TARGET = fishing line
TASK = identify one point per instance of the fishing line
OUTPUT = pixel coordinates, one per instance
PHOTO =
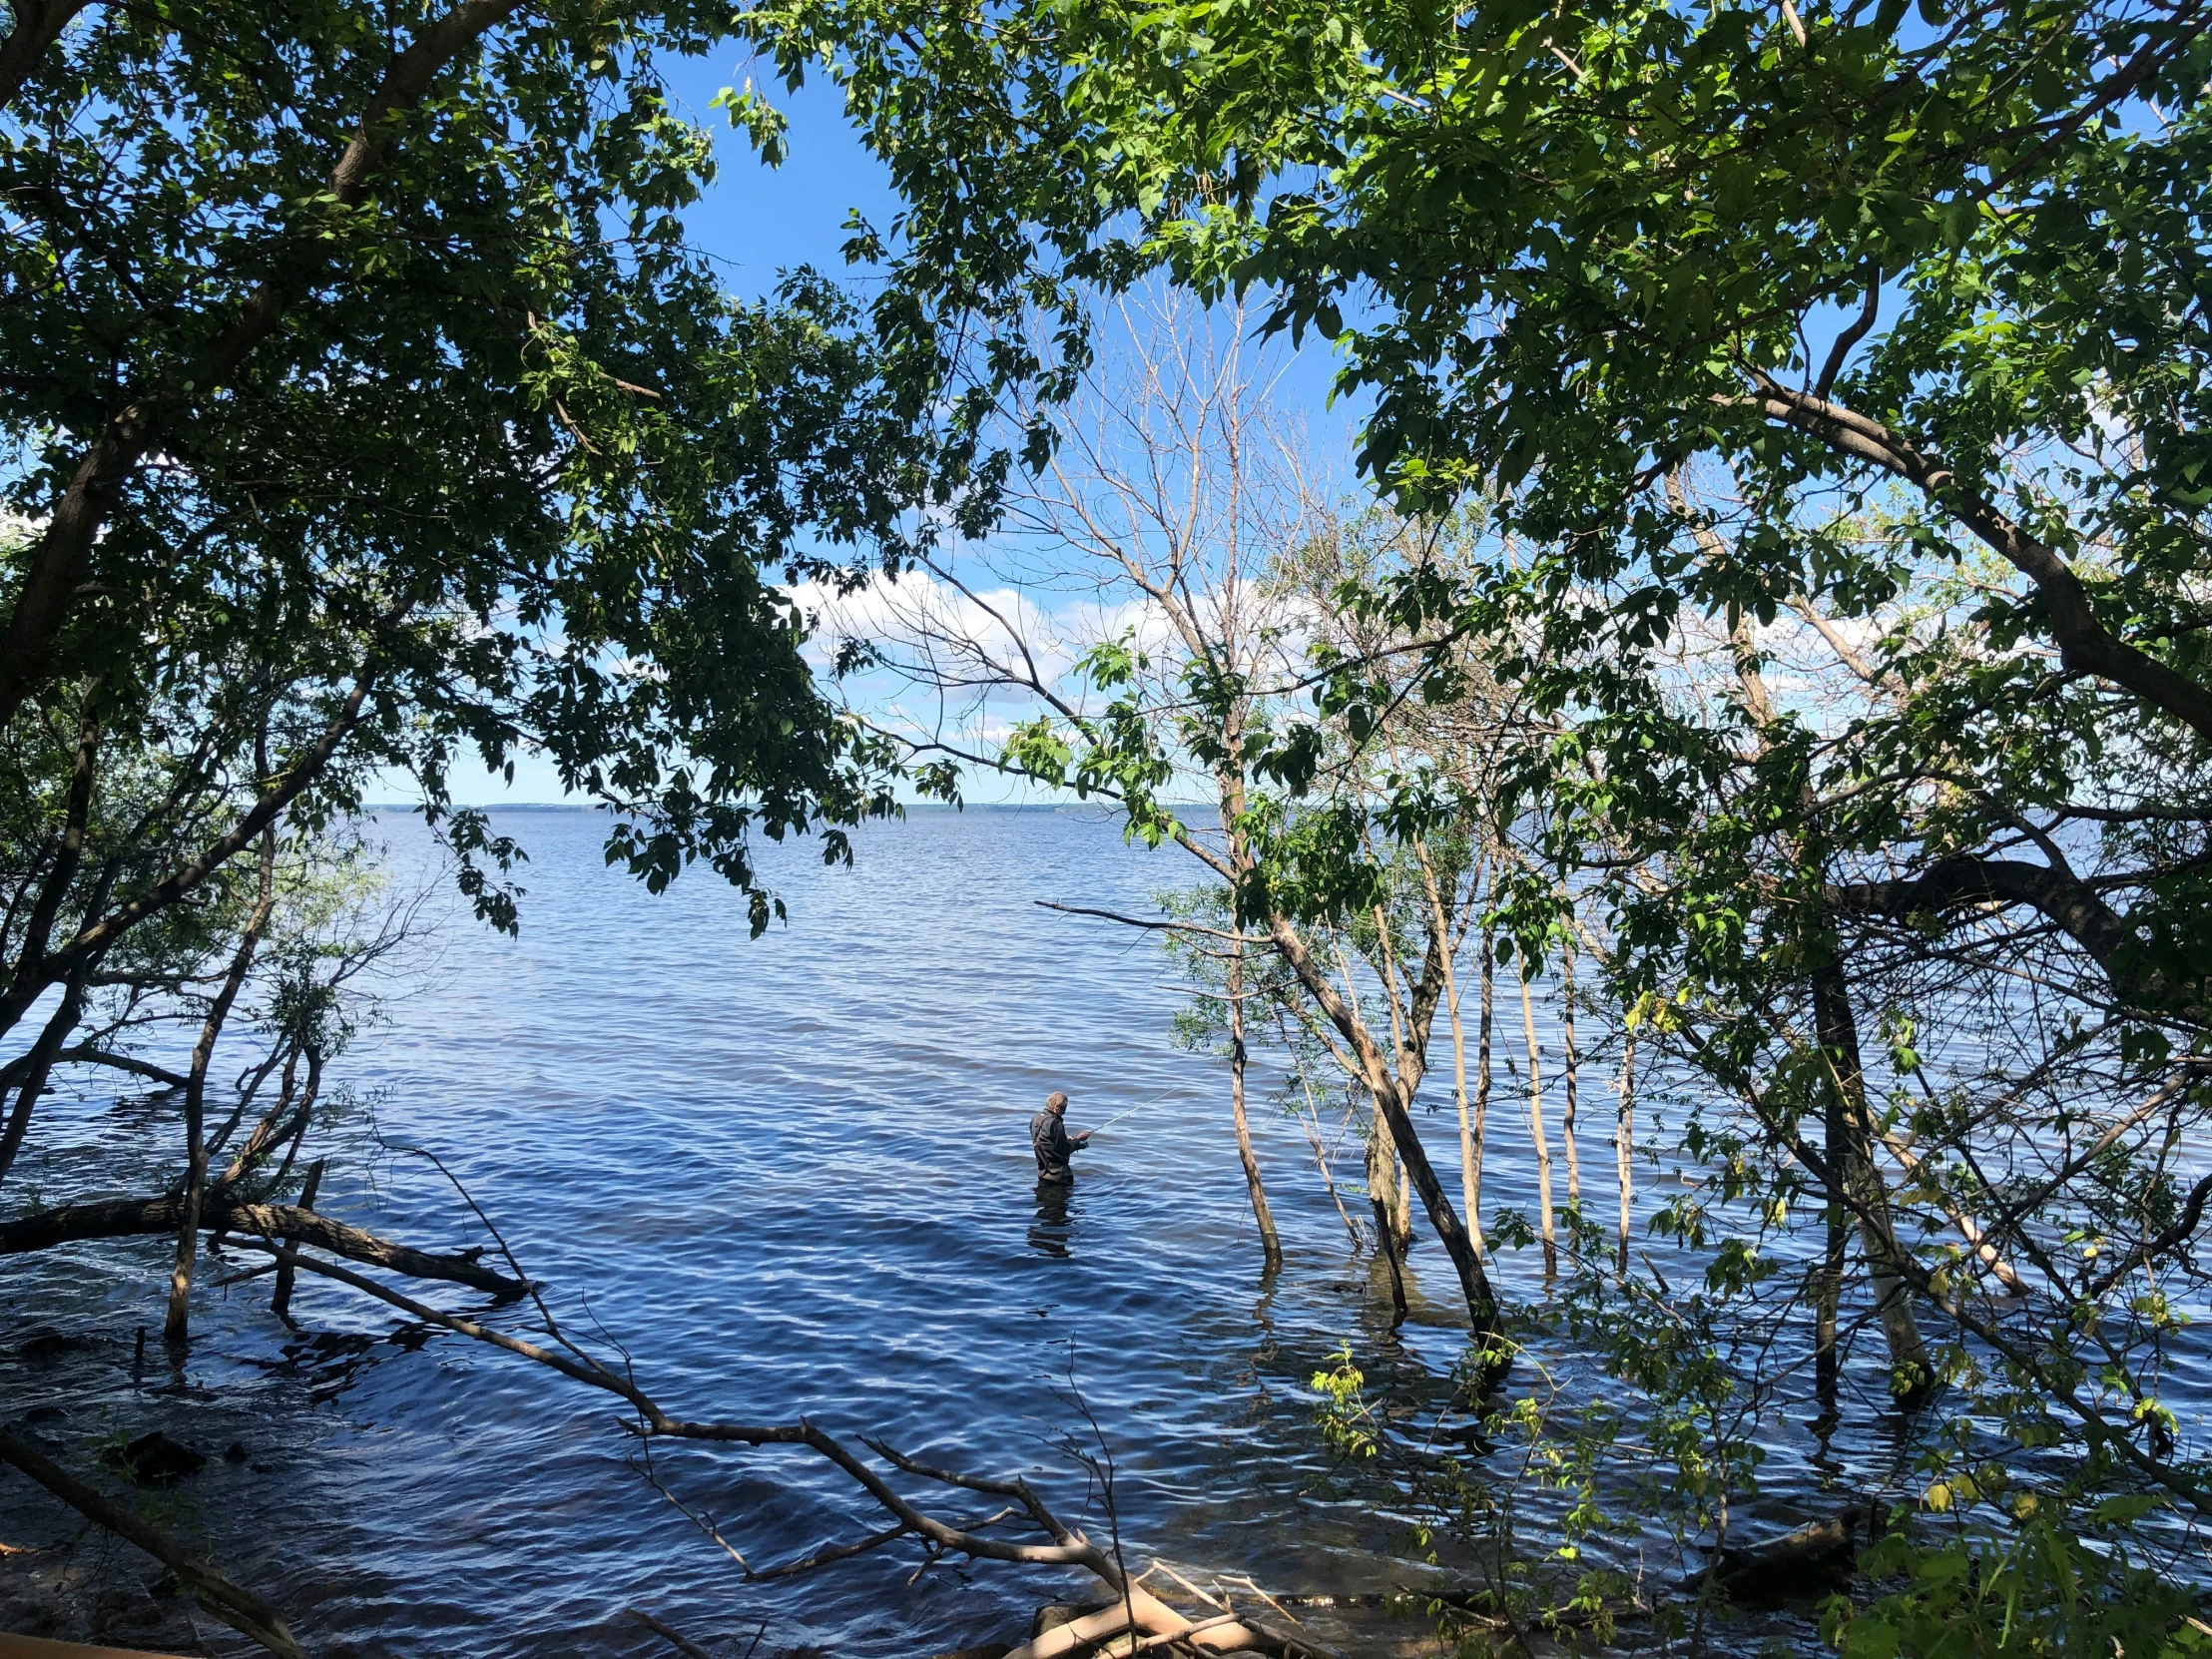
(1138, 1107)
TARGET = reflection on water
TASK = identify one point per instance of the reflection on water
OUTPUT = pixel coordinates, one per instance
(1053, 1228)
(790, 1176)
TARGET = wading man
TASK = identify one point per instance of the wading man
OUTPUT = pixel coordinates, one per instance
(1048, 1135)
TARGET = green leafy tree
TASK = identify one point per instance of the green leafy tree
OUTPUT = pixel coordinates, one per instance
(1837, 372)
(358, 368)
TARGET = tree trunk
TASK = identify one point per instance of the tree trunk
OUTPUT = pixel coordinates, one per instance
(1383, 1197)
(1849, 1144)
(177, 1325)
(1470, 1176)
(38, 932)
(1404, 1207)
(1829, 1282)
(1405, 1077)
(1270, 1245)
(1625, 1140)
(38, 1066)
(1570, 1073)
(1536, 1130)
(1474, 1284)
(1485, 1020)
(141, 1217)
(280, 1303)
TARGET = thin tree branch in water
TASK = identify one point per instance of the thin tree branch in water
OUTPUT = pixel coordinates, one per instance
(1151, 926)
(86, 1055)
(675, 1638)
(1068, 1547)
(835, 1552)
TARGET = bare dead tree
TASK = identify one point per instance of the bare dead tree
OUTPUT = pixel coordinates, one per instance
(1176, 507)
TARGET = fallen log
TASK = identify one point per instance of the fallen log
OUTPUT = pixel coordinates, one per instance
(128, 1218)
(1815, 1559)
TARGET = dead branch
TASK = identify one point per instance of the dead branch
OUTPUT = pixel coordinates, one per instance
(675, 1638)
(86, 1054)
(241, 1609)
(833, 1552)
(126, 1218)
(1068, 1546)
(1150, 926)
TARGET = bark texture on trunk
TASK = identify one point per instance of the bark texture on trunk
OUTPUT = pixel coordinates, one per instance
(1548, 1229)
(1849, 1150)
(178, 1323)
(1270, 1245)
(1382, 1195)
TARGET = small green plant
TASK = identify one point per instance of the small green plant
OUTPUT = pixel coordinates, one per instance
(2044, 1586)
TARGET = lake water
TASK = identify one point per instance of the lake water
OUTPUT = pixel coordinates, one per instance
(790, 1176)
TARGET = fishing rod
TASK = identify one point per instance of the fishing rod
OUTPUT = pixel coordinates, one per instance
(1138, 1107)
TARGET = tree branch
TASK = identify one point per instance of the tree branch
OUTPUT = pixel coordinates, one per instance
(2085, 645)
(2057, 894)
(130, 1218)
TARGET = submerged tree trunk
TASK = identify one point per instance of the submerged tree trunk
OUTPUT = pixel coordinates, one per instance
(1863, 1193)
(177, 1326)
(1470, 1158)
(1402, 1215)
(279, 1303)
(1828, 1286)
(1484, 1022)
(1570, 1073)
(1270, 1245)
(1383, 1180)
(1444, 950)
(1474, 1284)
(1381, 1149)
(1548, 1229)
(1625, 1140)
